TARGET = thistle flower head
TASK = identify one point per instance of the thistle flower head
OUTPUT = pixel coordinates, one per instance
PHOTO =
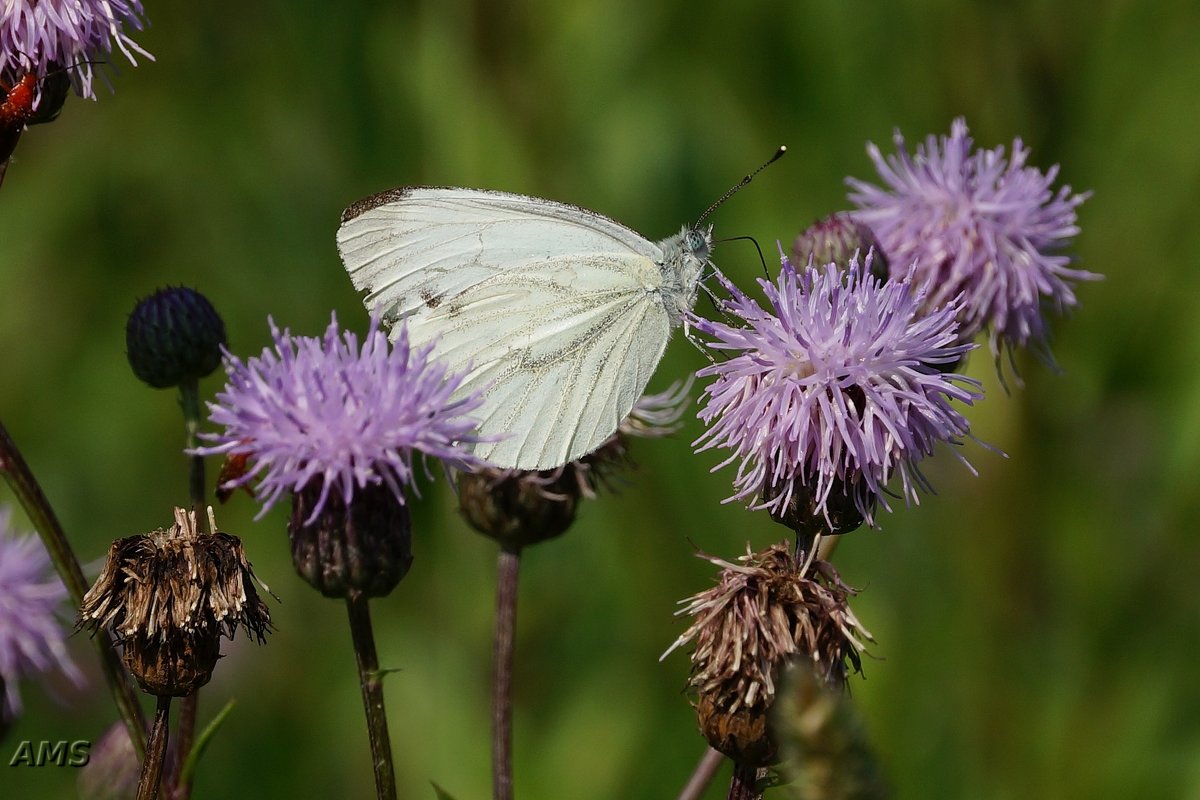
(339, 415)
(764, 612)
(832, 390)
(32, 639)
(41, 36)
(980, 225)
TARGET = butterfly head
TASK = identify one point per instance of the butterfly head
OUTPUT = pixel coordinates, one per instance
(698, 242)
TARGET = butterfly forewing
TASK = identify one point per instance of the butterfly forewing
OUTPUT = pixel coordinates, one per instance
(557, 311)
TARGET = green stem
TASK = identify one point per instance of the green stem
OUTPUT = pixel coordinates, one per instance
(37, 507)
(372, 693)
(508, 568)
(189, 403)
(156, 749)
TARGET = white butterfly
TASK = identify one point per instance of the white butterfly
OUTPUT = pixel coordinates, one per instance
(561, 314)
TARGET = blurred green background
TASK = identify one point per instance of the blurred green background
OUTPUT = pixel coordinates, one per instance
(1037, 625)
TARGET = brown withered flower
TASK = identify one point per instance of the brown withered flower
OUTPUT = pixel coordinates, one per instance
(169, 596)
(765, 612)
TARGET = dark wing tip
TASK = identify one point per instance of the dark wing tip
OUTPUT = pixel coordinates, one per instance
(374, 201)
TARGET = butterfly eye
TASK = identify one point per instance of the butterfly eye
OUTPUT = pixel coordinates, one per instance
(695, 241)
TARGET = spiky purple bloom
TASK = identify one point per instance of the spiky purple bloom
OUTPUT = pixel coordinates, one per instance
(32, 638)
(980, 225)
(40, 36)
(326, 409)
(834, 385)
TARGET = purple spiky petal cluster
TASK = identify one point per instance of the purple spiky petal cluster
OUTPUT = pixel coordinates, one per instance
(40, 36)
(330, 410)
(32, 638)
(977, 224)
(833, 388)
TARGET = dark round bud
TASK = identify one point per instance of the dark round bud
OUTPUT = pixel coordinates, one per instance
(836, 239)
(743, 734)
(173, 336)
(365, 547)
(518, 508)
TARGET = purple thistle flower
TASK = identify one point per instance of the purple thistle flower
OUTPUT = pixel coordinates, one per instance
(39, 36)
(326, 409)
(836, 385)
(32, 639)
(979, 225)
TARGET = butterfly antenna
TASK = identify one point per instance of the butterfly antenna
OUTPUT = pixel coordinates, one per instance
(778, 155)
(751, 239)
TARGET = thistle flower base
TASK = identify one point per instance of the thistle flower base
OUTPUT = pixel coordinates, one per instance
(365, 547)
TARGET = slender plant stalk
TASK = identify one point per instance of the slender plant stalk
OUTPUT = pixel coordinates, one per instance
(702, 775)
(184, 736)
(156, 750)
(372, 692)
(37, 507)
(189, 402)
(744, 784)
(508, 569)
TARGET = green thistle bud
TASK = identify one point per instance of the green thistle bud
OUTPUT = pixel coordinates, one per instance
(836, 239)
(172, 336)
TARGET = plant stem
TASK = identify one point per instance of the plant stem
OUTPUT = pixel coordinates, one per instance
(508, 567)
(189, 403)
(744, 784)
(37, 507)
(702, 775)
(184, 736)
(156, 749)
(372, 692)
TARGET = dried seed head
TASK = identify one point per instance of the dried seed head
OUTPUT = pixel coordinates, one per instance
(763, 614)
(169, 596)
(364, 546)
